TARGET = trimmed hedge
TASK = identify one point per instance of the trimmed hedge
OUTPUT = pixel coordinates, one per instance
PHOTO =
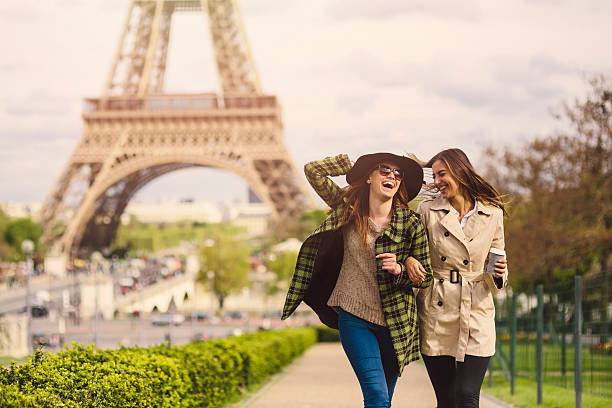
(203, 374)
(326, 334)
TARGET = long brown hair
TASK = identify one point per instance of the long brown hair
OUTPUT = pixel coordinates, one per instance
(356, 201)
(476, 187)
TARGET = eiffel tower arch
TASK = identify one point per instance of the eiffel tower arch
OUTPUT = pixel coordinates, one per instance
(134, 132)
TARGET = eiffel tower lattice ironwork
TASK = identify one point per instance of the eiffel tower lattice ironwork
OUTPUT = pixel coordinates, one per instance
(135, 132)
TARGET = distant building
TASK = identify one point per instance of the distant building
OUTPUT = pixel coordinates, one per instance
(288, 245)
(20, 210)
(252, 217)
(165, 212)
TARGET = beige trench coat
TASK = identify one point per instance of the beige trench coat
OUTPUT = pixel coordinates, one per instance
(456, 319)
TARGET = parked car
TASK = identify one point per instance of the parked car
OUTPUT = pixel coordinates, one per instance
(198, 316)
(202, 316)
(273, 315)
(237, 315)
(165, 319)
(47, 340)
(200, 337)
(37, 311)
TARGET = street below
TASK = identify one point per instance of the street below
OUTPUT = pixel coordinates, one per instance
(116, 333)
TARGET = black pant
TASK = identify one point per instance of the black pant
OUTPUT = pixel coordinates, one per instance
(457, 384)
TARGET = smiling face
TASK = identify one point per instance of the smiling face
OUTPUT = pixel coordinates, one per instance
(385, 185)
(444, 180)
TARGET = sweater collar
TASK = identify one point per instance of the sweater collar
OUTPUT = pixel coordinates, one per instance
(395, 229)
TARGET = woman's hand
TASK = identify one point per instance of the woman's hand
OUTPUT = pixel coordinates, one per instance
(389, 263)
(416, 159)
(500, 268)
(415, 270)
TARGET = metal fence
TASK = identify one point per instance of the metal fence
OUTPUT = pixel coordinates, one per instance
(558, 334)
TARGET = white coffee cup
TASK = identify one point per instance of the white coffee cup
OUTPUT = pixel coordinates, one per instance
(495, 255)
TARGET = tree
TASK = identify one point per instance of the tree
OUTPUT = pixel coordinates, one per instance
(7, 252)
(560, 214)
(590, 155)
(18, 230)
(290, 227)
(4, 220)
(282, 264)
(310, 220)
(228, 258)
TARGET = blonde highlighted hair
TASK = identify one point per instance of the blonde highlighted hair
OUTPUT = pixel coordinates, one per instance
(474, 185)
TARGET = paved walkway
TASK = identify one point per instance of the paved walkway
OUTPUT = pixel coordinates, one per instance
(323, 378)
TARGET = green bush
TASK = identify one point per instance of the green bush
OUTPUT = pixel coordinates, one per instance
(203, 374)
(327, 334)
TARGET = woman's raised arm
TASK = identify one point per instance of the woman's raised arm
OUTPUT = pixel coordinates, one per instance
(318, 174)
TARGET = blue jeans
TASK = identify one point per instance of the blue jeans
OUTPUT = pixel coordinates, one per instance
(369, 349)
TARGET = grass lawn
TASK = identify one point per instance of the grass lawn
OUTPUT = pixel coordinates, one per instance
(6, 361)
(596, 368)
(552, 357)
(526, 394)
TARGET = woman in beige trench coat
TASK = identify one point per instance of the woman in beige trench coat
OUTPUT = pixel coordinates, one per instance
(456, 313)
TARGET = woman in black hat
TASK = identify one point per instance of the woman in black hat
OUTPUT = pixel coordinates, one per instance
(351, 271)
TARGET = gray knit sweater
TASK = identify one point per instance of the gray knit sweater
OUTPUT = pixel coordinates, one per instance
(357, 290)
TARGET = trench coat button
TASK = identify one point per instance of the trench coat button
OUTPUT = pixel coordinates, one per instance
(441, 280)
(443, 258)
(465, 262)
(439, 303)
(446, 234)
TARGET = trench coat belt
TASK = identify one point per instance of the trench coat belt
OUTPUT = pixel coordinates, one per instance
(455, 275)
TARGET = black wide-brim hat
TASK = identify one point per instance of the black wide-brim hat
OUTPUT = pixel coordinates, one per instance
(412, 173)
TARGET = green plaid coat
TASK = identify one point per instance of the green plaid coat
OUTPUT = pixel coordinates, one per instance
(320, 259)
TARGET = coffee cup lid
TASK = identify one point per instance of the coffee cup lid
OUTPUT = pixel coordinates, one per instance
(497, 251)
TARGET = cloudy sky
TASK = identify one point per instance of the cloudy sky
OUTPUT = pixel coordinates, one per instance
(353, 76)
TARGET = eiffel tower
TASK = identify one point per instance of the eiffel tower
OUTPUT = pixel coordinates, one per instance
(135, 132)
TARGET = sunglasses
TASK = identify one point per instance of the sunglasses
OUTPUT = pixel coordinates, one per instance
(386, 171)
